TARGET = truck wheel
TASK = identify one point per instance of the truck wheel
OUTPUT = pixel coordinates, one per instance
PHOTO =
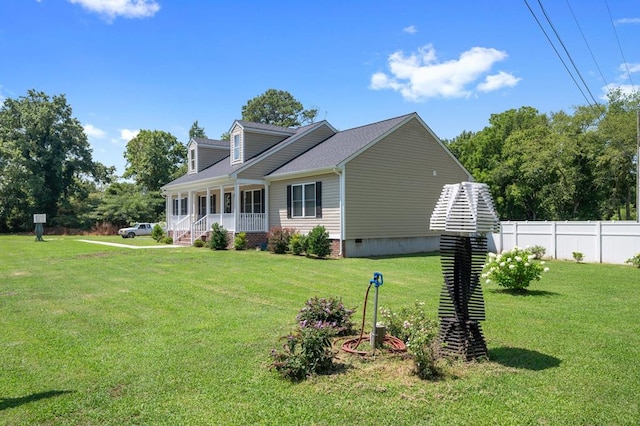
(131, 235)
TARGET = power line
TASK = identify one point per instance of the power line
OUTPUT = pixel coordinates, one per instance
(626, 65)
(566, 51)
(587, 44)
(557, 53)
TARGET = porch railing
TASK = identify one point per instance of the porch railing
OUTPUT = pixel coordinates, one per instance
(181, 228)
(199, 228)
(252, 222)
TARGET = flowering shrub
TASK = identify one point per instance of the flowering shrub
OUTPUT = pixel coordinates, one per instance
(420, 333)
(513, 269)
(304, 353)
(308, 351)
(634, 261)
(326, 313)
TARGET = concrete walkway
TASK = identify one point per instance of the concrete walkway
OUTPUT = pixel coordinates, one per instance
(104, 243)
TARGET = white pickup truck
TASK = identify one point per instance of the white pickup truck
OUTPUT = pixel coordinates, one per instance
(142, 228)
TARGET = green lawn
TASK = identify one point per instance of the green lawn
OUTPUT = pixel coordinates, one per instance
(94, 334)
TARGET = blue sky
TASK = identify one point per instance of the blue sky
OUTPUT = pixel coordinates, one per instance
(126, 65)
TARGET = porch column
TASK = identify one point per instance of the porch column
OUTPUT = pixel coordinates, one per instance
(221, 204)
(207, 220)
(236, 206)
(190, 204)
(266, 207)
(167, 209)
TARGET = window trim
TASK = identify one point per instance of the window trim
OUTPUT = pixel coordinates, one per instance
(193, 157)
(236, 148)
(317, 203)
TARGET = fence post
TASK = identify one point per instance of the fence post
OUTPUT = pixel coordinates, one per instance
(554, 240)
(599, 240)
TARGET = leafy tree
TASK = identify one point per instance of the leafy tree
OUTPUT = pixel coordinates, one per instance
(616, 164)
(45, 161)
(196, 131)
(122, 203)
(277, 107)
(154, 158)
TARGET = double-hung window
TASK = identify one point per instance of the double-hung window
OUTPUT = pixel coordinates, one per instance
(235, 149)
(304, 200)
(192, 160)
(252, 201)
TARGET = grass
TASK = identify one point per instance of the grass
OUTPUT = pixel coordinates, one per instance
(94, 334)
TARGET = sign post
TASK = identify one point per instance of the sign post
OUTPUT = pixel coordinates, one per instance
(39, 220)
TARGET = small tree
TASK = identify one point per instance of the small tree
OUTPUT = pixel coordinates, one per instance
(219, 238)
(240, 241)
(318, 242)
(157, 233)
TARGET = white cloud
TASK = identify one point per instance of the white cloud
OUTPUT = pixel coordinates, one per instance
(421, 76)
(623, 82)
(125, 8)
(411, 29)
(126, 134)
(497, 81)
(93, 132)
(628, 21)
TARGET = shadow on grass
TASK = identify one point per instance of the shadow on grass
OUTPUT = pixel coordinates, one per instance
(523, 358)
(522, 292)
(16, 402)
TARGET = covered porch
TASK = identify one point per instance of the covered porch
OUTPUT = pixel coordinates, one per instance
(238, 207)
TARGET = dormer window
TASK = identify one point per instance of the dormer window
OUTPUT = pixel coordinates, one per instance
(192, 160)
(236, 148)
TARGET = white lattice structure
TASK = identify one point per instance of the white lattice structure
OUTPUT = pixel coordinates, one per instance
(465, 207)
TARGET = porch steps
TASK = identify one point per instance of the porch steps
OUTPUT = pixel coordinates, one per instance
(184, 240)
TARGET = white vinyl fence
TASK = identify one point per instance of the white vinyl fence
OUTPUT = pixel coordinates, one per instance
(601, 242)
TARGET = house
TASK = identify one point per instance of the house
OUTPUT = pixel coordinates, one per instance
(372, 187)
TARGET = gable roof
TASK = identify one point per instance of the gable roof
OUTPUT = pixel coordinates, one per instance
(210, 142)
(223, 168)
(340, 147)
(263, 127)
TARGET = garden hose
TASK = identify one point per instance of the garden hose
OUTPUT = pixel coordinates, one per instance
(351, 345)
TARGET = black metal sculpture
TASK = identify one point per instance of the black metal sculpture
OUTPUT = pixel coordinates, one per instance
(465, 212)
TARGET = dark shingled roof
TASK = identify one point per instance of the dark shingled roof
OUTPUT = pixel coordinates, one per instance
(223, 167)
(339, 147)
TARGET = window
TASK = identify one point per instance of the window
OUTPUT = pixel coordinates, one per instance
(228, 202)
(252, 201)
(235, 157)
(192, 160)
(212, 204)
(179, 208)
(304, 200)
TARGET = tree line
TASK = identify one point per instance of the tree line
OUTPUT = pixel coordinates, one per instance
(557, 166)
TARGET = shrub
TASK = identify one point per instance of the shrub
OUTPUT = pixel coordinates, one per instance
(537, 251)
(240, 241)
(513, 269)
(326, 313)
(278, 239)
(635, 260)
(420, 333)
(304, 353)
(167, 240)
(219, 238)
(577, 256)
(297, 244)
(318, 242)
(157, 233)
(198, 243)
